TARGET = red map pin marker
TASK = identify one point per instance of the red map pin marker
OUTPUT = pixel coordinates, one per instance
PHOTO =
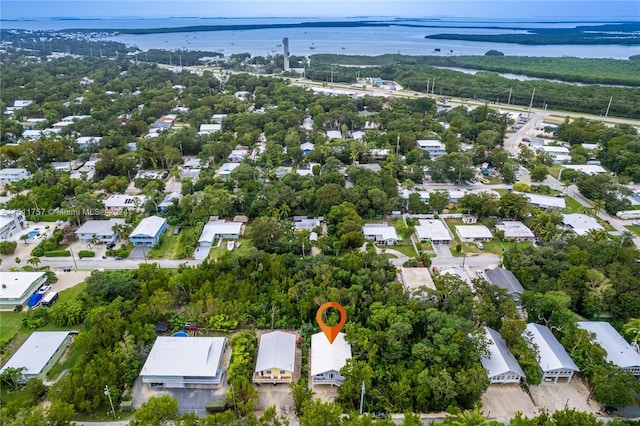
(331, 332)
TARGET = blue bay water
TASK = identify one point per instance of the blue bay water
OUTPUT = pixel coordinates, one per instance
(353, 41)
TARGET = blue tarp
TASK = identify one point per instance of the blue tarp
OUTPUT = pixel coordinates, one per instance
(35, 299)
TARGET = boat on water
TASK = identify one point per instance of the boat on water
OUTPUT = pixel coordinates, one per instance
(230, 245)
(312, 47)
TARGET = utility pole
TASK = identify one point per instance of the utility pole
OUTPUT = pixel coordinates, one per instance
(608, 106)
(398, 144)
(361, 398)
(428, 80)
(509, 100)
(106, 392)
(531, 102)
(180, 56)
(75, 265)
(433, 85)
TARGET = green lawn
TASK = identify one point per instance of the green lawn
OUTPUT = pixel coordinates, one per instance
(245, 245)
(634, 229)
(406, 249)
(573, 206)
(168, 247)
(555, 170)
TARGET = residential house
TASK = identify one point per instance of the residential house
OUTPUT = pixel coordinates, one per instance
(167, 201)
(500, 363)
(301, 223)
(185, 362)
(553, 359)
(38, 354)
(11, 175)
(334, 134)
(276, 358)
(225, 170)
(381, 233)
(117, 203)
(148, 231)
(516, 231)
(103, 230)
(435, 148)
(619, 351)
(473, 233)
(434, 231)
(239, 154)
(11, 223)
(559, 154)
(544, 202)
(306, 148)
(207, 129)
(588, 169)
(327, 359)
(505, 279)
(84, 142)
(219, 229)
(581, 224)
(17, 287)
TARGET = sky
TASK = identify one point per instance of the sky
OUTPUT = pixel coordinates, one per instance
(497, 9)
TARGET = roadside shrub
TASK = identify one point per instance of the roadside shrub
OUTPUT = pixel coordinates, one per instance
(122, 252)
(8, 247)
(86, 253)
(57, 253)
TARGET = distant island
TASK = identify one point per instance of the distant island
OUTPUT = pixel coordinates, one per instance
(625, 34)
(621, 33)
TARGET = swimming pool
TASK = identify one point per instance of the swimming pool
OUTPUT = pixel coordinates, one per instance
(33, 233)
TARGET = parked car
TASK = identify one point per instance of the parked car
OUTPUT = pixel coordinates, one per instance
(636, 223)
(480, 274)
(43, 289)
(111, 245)
(480, 245)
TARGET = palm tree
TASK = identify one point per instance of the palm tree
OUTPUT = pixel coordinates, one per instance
(632, 328)
(596, 235)
(473, 417)
(626, 239)
(596, 207)
(35, 261)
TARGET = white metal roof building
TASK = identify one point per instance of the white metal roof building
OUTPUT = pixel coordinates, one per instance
(581, 223)
(17, 287)
(39, 353)
(619, 351)
(328, 358)
(553, 359)
(471, 233)
(219, 229)
(516, 230)
(544, 202)
(148, 231)
(433, 230)
(276, 358)
(180, 362)
(590, 169)
(500, 364)
(381, 233)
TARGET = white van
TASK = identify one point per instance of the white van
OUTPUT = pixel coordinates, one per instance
(49, 299)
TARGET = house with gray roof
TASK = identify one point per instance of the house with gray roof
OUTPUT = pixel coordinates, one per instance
(504, 278)
(103, 230)
(501, 365)
(38, 354)
(619, 351)
(553, 359)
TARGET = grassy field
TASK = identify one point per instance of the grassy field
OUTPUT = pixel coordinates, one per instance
(573, 206)
(245, 245)
(634, 229)
(168, 247)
